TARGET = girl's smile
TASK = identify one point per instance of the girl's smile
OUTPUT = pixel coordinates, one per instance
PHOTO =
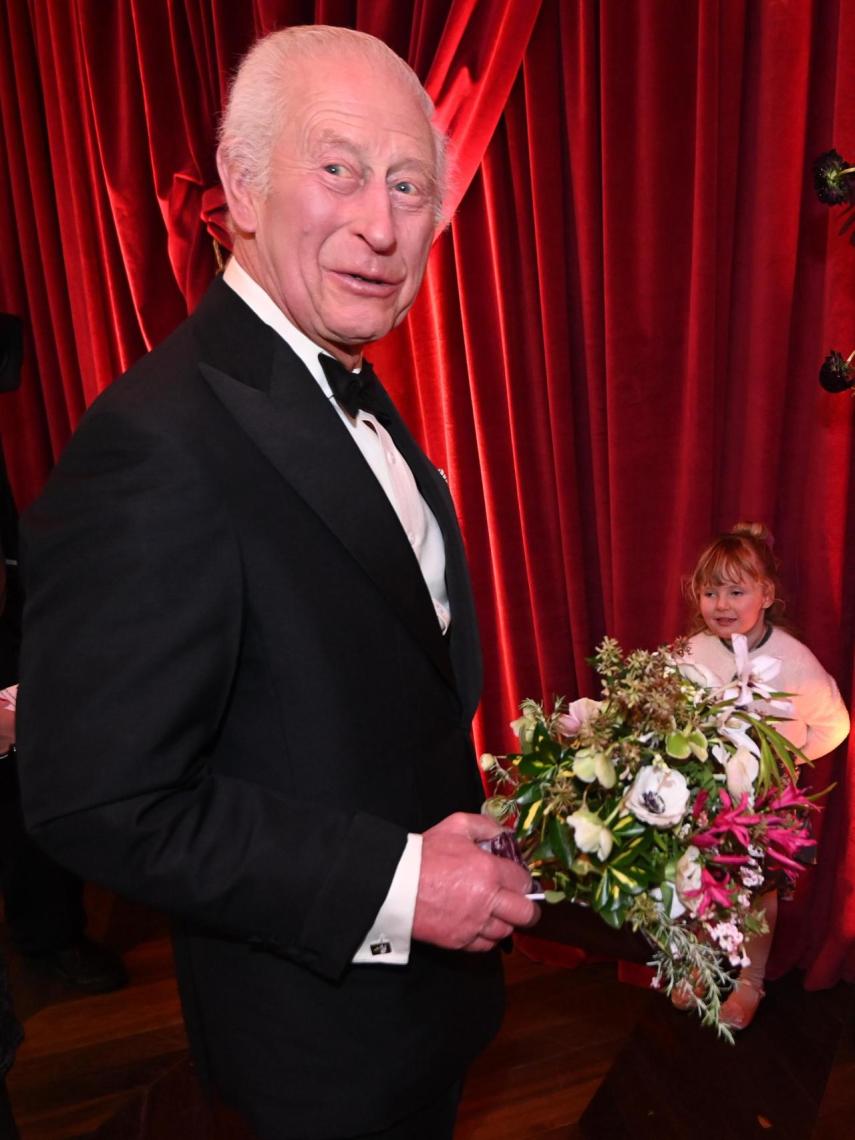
(736, 607)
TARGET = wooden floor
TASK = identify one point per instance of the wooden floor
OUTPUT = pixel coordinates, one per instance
(580, 1055)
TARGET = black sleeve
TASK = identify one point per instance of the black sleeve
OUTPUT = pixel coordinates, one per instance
(132, 629)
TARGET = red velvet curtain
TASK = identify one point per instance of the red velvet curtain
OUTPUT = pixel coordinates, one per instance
(616, 349)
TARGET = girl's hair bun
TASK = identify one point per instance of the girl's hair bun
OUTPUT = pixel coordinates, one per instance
(756, 530)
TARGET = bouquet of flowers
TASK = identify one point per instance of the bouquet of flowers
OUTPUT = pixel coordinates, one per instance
(668, 805)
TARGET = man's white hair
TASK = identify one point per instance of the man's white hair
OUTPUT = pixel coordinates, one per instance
(258, 101)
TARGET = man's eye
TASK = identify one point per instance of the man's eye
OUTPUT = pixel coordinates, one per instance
(405, 187)
(334, 168)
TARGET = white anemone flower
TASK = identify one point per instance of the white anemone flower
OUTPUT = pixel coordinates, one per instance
(659, 795)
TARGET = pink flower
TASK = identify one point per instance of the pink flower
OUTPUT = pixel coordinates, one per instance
(712, 892)
(730, 821)
(779, 799)
(700, 802)
(784, 842)
(578, 714)
(731, 940)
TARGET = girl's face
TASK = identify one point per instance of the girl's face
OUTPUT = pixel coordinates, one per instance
(737, 607)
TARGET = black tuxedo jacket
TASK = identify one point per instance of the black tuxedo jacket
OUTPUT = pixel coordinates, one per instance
(236, 702)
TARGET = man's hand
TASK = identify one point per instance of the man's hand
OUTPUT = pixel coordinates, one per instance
(7, 730)
(468, 899)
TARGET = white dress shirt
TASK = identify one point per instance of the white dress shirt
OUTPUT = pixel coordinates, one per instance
(388, 940)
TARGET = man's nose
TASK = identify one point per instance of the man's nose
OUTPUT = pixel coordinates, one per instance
(375, 219)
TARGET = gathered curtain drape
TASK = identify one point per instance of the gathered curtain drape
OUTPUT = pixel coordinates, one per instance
(616, 348)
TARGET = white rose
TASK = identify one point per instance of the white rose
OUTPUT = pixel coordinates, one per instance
(659, 795)
(688, 878)
(590, 833)
(741, 770)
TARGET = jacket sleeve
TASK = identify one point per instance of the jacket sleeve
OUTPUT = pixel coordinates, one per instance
(819, 705)
(132, 632)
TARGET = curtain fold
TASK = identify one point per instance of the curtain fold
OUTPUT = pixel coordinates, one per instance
(616, 348)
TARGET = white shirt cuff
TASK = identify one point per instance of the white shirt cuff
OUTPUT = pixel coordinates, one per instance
(387, 943)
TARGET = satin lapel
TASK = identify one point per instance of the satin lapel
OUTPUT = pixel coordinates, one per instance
(464, 641)
(295, 427)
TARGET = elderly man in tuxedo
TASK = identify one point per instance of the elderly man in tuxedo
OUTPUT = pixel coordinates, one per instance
(249, 617)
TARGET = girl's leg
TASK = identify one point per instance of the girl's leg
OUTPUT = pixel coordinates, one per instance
(739, 1009)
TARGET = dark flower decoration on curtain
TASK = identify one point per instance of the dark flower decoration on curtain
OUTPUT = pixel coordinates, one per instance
(834, 179)
(837, 373)
(834, 182)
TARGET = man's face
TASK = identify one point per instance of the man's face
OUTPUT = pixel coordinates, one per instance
(342, 240)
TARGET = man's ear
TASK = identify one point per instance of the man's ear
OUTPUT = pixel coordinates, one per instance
(239, 195)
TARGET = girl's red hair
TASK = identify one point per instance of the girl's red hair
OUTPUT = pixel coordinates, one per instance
(743, 553)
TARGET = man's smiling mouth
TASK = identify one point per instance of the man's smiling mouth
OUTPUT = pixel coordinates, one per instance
(363, 283)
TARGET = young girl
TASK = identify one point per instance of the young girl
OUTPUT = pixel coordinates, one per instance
(734, 588)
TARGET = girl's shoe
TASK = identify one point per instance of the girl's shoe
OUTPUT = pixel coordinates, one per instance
(739, 1009)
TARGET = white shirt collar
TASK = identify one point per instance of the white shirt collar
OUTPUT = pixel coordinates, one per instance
(266, 309)
(430, 548)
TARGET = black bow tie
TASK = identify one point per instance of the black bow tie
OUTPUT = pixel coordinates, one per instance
(349, 388)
